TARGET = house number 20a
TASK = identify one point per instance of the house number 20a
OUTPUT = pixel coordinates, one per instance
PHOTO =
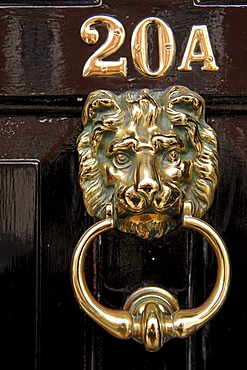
(198, 48)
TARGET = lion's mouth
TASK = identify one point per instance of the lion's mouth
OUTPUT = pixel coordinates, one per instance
(148, 226)
(139, 202)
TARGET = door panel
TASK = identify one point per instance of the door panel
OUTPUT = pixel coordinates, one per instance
(42, 93)
(19, 251)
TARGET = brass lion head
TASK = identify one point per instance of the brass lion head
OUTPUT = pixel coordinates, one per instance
(147, 152)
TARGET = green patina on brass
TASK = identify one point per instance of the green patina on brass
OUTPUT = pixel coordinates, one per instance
(147, 152)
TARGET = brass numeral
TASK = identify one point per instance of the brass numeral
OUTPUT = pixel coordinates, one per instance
(139, 47)
(95, 65)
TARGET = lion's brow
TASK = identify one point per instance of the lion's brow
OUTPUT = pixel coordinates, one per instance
(123, 144)
(167, 140)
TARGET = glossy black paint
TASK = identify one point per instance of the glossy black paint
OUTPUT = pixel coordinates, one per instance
(20, 262)
(42, 213)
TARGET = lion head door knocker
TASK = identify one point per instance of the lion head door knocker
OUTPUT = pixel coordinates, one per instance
(148, 162)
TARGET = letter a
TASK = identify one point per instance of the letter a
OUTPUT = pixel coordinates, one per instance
(198, 49)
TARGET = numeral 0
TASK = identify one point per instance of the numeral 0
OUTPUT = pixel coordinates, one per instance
(139, 47)
(96, 66)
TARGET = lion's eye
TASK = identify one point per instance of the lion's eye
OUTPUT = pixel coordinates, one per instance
(172, 156)
(121, 160)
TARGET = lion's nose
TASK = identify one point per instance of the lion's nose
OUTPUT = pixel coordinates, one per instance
(146, 175)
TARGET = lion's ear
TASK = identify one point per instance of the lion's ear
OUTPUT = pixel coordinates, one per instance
(98, 101)
(182, 99)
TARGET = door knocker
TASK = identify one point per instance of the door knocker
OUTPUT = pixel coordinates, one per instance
(148, 162)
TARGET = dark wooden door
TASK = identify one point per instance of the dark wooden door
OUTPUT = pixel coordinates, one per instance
(42, 215)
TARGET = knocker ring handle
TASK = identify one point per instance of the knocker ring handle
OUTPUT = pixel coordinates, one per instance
(151, 315)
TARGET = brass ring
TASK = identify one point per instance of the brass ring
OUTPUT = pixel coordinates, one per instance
(151, 315)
